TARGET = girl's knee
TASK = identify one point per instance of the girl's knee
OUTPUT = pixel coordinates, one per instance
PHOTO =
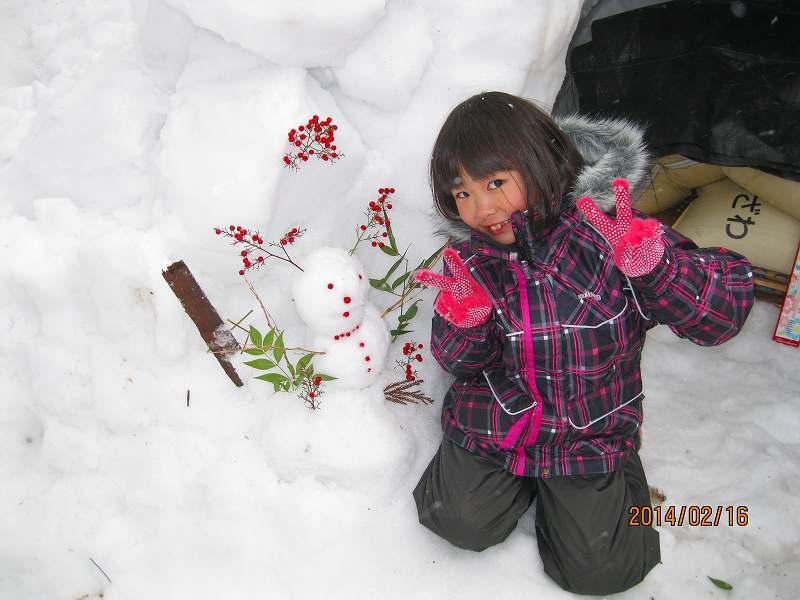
(466, 531)
(604, 573)
(464, 525)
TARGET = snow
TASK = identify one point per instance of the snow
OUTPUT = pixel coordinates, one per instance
(332, 283)
(128, 131)
(303, 34)
(330, 295)
(357, 358)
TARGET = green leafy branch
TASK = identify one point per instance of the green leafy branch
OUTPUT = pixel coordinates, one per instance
(407, 290)
(282, 373)
(378, 230)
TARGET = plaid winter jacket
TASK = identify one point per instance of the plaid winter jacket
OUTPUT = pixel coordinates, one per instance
(551, 384)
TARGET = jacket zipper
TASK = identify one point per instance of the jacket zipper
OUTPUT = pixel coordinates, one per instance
(535, 416)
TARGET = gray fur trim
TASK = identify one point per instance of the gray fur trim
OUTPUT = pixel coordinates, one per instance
(610, 148)
(455, 231)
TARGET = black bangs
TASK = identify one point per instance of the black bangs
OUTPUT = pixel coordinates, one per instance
(466, 141)
(495, 131)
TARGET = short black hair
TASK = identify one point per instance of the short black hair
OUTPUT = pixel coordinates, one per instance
(495, 131)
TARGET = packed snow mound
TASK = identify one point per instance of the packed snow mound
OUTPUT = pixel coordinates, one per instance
(349, 442)
(381, 70)
(87, 121)
(224, 135)
(302, 34)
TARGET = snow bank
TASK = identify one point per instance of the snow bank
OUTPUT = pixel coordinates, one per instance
(300, 34)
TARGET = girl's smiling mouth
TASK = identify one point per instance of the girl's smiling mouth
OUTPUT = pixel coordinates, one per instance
(498, 227)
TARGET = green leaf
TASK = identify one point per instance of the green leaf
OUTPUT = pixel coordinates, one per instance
(393, 268)
(389, 250)
(260, 363)
(278, 350)
(254, 351)
(392, 242)
(409, 314)
(400, 331)
(326, 377)
(426, 264)
(298, 380)
(274, 378)
(303, 362)
(380, 284)
(291, 368)
(397, 282)
(267, 341)
(724, 585)
(255, 336)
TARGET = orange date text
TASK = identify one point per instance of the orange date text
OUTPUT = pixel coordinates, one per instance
(694, 515)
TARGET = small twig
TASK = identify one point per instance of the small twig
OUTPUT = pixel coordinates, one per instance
(267, 348)
(238, 323)
(101, 569)
(403, 392)
(293, 349)
(401, 301)
(187, 398)
(270, 321)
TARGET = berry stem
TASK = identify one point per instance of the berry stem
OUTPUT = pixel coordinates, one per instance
(360, 236)
(268, 253)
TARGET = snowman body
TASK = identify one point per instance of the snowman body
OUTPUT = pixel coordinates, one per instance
(331, 298)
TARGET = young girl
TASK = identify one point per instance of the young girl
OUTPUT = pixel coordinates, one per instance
(541, 318)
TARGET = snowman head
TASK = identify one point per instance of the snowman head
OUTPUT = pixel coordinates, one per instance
(331, 293)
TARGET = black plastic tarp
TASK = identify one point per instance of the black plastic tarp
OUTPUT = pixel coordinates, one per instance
(715, 81)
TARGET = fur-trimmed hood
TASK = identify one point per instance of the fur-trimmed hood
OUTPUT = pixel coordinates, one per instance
(610, 148)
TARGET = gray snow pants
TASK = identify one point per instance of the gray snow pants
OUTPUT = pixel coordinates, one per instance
(582, 530)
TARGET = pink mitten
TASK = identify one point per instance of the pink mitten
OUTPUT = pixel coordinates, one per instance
(462, 301)
(636, 243)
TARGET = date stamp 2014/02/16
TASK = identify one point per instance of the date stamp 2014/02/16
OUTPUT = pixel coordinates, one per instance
(694, 515)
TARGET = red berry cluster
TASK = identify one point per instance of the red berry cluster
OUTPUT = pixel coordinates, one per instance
(239, 234)
(292, 235)
(410, 354)
(377, 225)
(315, 138)
(311, 391)
(254, 243)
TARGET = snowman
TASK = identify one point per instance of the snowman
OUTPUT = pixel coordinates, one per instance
(331, 298)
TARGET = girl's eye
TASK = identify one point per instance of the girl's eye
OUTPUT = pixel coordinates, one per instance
(459, 196)
(499, 182)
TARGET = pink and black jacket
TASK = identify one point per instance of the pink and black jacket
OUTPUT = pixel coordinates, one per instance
(551, 384)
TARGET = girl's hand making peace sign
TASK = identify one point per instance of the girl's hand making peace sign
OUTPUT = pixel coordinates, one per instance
(636, 243)
(462, 300)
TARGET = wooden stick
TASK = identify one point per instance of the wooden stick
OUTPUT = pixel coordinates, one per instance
(208, 322)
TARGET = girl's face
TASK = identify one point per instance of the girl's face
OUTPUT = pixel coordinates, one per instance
(486, 204)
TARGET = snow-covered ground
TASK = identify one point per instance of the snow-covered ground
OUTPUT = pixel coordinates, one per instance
(128, 129)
